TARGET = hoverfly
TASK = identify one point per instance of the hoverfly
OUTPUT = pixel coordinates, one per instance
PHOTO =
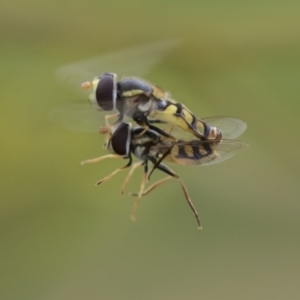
(145, 103)
(124, 141)
(140, 100)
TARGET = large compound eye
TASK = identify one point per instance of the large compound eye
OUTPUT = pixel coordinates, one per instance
(104, 92)
(120, 140)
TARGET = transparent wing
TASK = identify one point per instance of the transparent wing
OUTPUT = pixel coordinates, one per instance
(136, 61)
(227, 149)
(77, 117)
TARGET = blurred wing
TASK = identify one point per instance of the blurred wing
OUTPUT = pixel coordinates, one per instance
(194, 152)
(135, 61)
(78, 117)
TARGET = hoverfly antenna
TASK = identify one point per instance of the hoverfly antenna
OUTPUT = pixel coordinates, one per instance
(86, 85)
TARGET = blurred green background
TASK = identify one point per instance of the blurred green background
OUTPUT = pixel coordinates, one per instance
(63, 238)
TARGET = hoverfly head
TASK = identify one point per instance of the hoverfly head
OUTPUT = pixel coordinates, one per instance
(118, 140)
(104, 91)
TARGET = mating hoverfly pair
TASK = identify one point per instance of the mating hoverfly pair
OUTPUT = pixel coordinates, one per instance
(166, 131)
(148, 105)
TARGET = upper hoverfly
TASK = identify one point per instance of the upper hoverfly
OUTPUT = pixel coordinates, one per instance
(145, 103)
(124, 141)
(140, 100)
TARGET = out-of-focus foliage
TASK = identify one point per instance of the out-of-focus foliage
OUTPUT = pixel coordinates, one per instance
(63, 238)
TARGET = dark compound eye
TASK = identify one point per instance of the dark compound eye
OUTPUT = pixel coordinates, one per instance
(105, 93)
(121, 139)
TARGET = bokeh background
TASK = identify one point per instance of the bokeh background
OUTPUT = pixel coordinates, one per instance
(63, 238)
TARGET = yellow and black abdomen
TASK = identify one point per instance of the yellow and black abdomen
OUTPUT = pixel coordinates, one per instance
(192, 153)
(177, 114)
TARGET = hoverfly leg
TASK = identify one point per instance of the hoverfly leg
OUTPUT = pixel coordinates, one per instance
(114, 172)
(97, 159)
(138, 136)
(134, 166)
(153, 186)
(107, 117)
(142, 120)
(167, 170)
(157, 163)
(142, 187)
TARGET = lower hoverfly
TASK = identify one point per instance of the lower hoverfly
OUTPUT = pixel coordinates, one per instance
(124, 141)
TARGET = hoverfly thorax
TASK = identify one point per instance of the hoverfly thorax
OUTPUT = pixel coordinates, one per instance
(131, 87)
(104, 91)
(135, 95)
(143, 141)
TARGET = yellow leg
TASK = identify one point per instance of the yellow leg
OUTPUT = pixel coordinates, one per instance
(142, 133)
(138, 199)
(110, 175)
(114, 173)
(97, 159)
(136, 165)
(107, 117)
(170, 172)
(153, 186)
(189, 201)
